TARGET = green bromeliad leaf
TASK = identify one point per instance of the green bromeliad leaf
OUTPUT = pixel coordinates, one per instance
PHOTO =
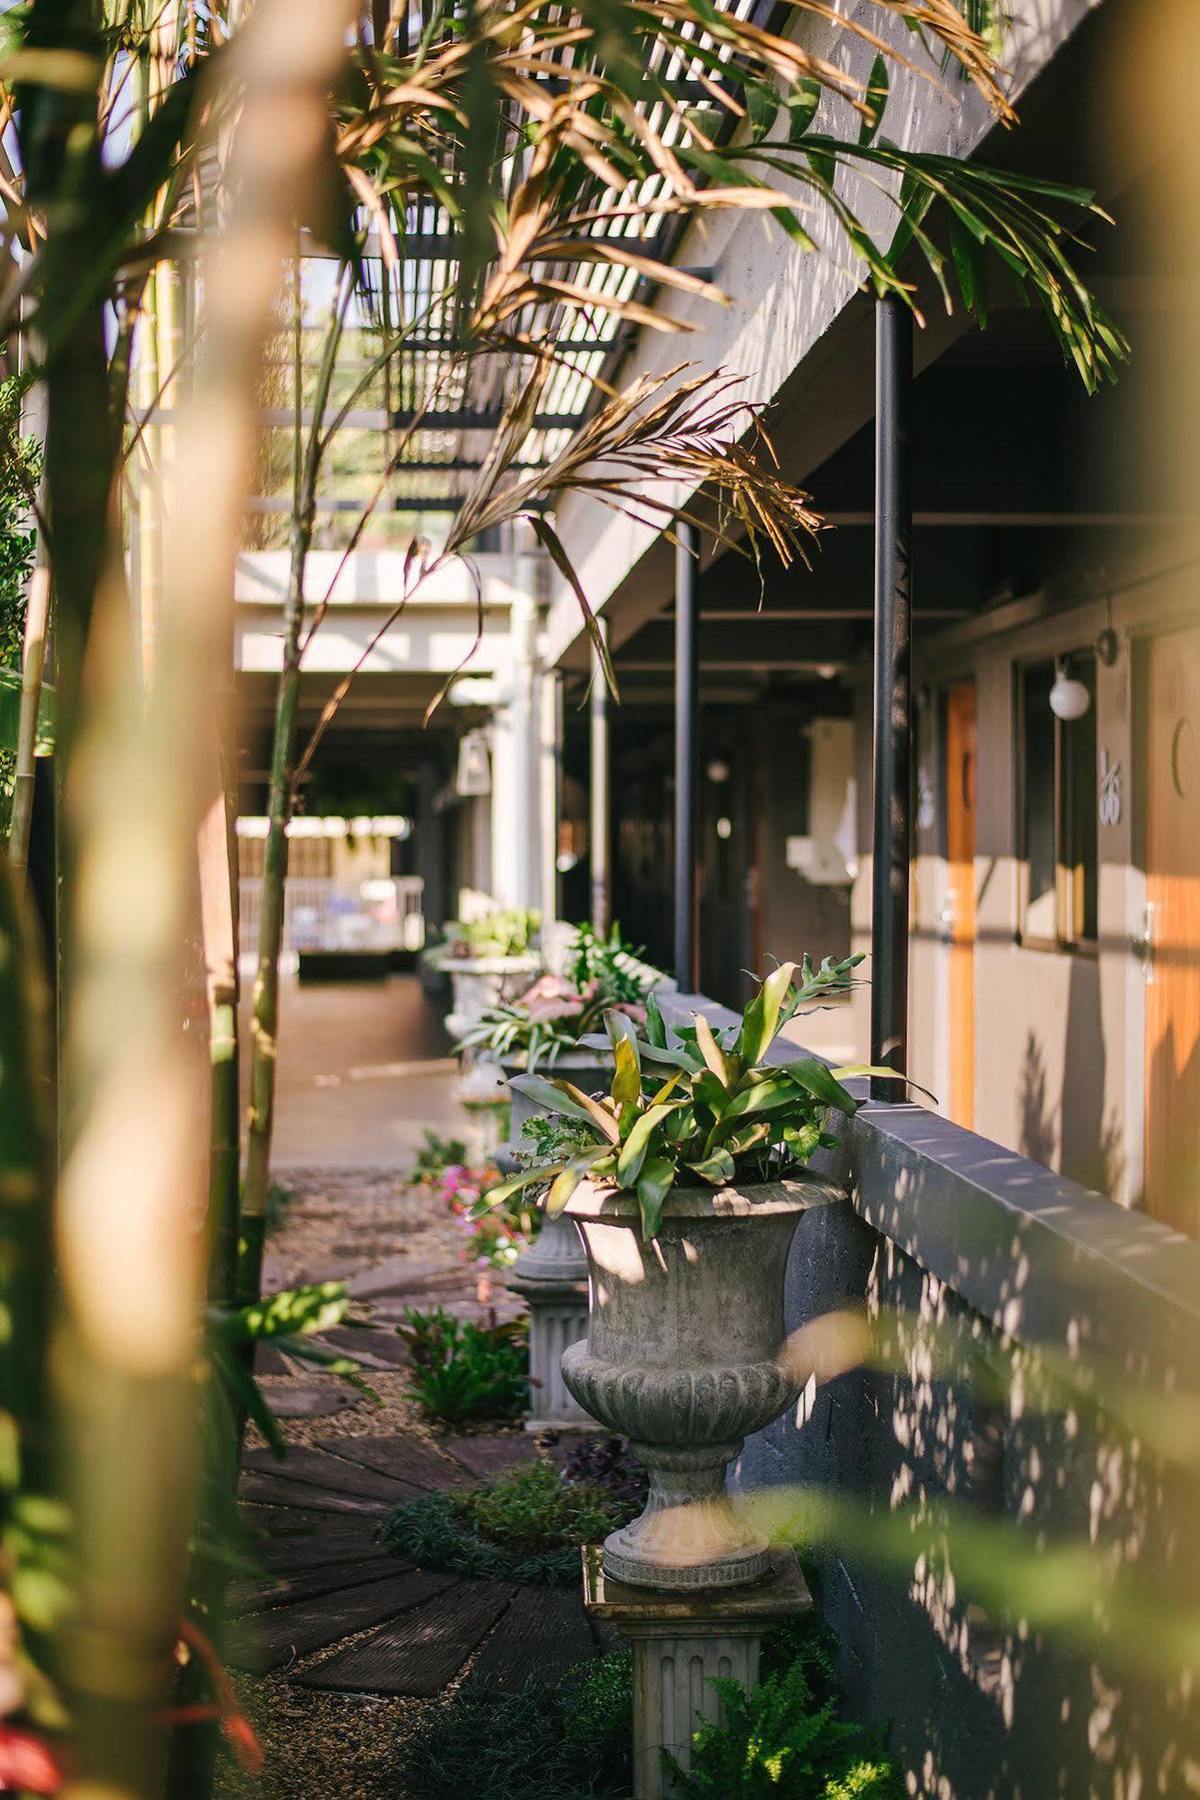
(721, 1114)
(822, 1084)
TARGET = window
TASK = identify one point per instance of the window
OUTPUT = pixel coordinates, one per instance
(1058, 843)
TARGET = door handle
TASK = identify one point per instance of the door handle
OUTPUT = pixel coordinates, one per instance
(945, 919)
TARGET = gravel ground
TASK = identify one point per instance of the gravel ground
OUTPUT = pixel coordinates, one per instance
(321, 1746)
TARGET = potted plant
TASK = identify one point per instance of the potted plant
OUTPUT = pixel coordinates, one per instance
(686, 1182)
(548, 1023)
(553, 1023)
(486, 959)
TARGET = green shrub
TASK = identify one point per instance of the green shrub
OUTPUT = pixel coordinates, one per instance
(534, 1508)
(525, 1526)
(784, 1741)
(464, 1373)
(570, 1742)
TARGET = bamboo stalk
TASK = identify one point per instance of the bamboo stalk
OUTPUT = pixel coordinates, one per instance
(133, 1191)
(264, 1028)
(33, 664)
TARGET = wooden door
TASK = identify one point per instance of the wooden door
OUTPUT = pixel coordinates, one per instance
(1172, 1167)
(960, 909)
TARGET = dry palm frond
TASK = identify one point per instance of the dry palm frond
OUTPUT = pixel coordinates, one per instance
(674, 428)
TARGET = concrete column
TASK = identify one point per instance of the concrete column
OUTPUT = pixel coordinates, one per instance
(681, 1641)
(516, 821)
(550, 756)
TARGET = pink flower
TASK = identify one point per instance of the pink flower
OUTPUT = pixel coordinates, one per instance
(551, 997)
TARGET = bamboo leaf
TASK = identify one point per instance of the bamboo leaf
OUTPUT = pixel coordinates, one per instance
(550, 541)
(877, 98)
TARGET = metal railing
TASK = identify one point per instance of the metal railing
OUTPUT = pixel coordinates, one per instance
(322, 913)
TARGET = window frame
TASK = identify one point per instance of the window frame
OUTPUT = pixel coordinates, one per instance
(1067, 940)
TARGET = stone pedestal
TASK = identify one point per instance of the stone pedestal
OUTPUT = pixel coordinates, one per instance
(681, 1642)
(551, 1275)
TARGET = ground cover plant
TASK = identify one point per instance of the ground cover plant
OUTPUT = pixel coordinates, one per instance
(495, 1238)
(566, 1742)
(436, 1155)
(463, 1373)
(527, 1525)
(606, 1463)
(572, 1740)
(779, 1742)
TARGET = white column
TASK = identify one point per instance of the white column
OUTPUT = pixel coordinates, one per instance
(550, 756)
(515, 766)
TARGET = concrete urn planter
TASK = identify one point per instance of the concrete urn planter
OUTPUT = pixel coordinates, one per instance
(479, 982)
(558, 1254)
(684, 1336)
(551, 1273)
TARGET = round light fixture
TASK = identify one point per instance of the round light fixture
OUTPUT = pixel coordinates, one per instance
(724, 828)
(717, 770)
(1069, 699)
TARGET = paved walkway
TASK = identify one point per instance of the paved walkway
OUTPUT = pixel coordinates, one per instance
(332, 1616)
(363, 1068)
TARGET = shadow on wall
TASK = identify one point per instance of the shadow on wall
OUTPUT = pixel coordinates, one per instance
(1001, 1535)
(1071, 1132)
(1038, 1137)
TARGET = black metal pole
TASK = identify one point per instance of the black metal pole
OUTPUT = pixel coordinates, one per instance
(601, 825)
(687, 662)
(893, 690)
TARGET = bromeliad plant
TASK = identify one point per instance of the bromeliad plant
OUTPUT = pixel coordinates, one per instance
(560, 1011)
(695, 1105)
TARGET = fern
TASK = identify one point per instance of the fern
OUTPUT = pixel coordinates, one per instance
(779, 1743)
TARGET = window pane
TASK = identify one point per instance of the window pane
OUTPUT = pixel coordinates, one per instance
(1038, 832)
(1080, 802)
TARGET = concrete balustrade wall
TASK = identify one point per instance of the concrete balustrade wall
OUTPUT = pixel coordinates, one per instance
(1035, 1378)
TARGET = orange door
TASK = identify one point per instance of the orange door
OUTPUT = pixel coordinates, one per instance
(1172, 1187)
(960, 918)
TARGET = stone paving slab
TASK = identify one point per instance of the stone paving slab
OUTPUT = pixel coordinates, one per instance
(378, 1349)
(420, 1652)
(486, 1456)
(312, 1399)
(299, 1522)
(400, 1275)
(279, 1490)
(292, 1555)
(271, 1640)
(308, 1584)
(544, 1633)
(329, 1474)
(400, 1457)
